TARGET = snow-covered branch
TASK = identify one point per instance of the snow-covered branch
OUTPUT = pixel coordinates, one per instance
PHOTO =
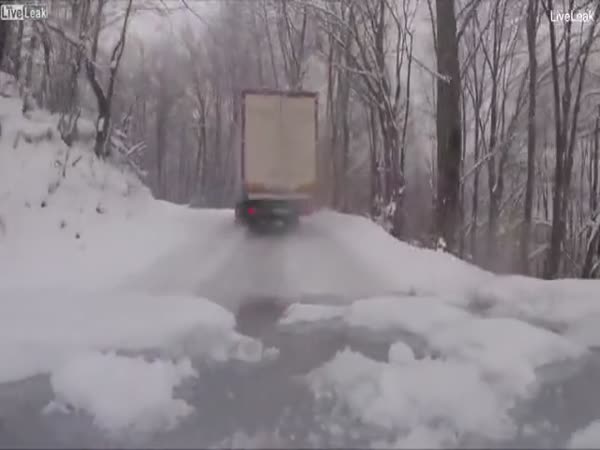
(439, 76)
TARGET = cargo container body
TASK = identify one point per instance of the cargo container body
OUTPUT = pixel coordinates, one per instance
(278, 157)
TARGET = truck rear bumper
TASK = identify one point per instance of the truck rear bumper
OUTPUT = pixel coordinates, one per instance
(269, 213)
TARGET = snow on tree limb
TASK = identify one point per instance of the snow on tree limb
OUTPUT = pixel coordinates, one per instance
(437, 75)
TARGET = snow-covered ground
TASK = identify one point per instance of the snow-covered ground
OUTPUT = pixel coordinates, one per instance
(67, 243)
(474, 372)
(119, 299)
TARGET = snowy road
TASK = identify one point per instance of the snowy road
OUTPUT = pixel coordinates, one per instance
(327, 350)
(245, 404)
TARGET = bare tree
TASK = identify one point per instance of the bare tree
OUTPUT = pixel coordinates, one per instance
(4, 33)
(104, 97)
(566, 114)
(448, 120)
(532, 25)
(293, 43)
(18, 48)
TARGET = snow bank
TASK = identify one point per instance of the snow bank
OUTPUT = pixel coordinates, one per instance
(40, 331)
(64, 211)
(406, 269)
(588, 437)
(554, 301)
(569, 306)
(420, 272)
(121, 393)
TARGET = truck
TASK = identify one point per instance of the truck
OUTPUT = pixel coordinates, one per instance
(278, 158)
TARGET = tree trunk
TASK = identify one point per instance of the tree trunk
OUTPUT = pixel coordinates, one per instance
(554, 255)
(532, 15)
(374, 162)
(4, 32)
(595, 157)
(161, 140)
(29, 68)
(199, 171)
(78, 15)
(448, 119)
(102, 131)
(333, 165)
(18, 51)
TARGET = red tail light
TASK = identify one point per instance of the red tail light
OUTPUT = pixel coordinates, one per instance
(251, 211)
(308, 208)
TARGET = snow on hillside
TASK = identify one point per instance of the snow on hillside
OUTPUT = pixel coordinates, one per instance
(567, 305)
(72, 229)
(407, 269)
(61, 229)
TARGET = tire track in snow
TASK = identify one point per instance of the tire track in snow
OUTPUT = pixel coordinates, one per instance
(306, 264)
(179, 271)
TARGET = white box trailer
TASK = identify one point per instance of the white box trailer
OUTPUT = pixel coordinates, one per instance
(278, 155)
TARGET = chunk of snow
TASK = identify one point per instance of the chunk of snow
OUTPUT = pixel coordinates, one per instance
(123, 394)
(56, 407)
(588, 437)
(452, 395)
(400, 353)
(418, 315)
(37, 328)
(492, 361)
(422, 437)
(244, 348)
(506, 349)
(299, 313)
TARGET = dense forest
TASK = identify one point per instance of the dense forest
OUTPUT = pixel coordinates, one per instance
(471, 126)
